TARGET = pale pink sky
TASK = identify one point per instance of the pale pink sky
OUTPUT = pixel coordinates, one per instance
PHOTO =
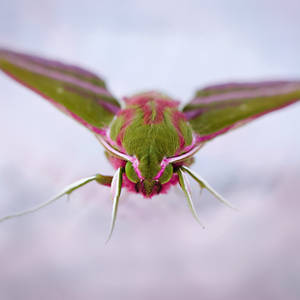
(157, 251)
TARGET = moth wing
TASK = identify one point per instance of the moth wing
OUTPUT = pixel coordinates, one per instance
(73, 90)
(217, 109)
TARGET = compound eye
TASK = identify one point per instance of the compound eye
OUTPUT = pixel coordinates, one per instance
(130, 173)
(166, 175)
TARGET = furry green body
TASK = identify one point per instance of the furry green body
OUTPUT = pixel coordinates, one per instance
(150, 128)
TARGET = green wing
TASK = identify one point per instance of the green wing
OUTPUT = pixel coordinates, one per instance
(220, 108)
(75, 91)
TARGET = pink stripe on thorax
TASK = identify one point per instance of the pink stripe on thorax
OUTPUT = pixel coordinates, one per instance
(191, 146)
(135, 164)
(114, 143)
(110, 149)
(163, 166)
(186, 155)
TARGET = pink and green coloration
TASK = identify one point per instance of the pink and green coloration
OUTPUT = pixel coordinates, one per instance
(149, 141)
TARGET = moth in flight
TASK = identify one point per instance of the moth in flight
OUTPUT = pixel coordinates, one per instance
(149, 141)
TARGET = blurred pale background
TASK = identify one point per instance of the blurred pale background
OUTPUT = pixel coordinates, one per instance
(158, 251)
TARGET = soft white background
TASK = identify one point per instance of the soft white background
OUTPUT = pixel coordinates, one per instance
(158, 251)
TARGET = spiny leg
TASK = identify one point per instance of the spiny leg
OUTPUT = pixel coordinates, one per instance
(184, 184)
(116, 186)
(204, 184)
(66, 191)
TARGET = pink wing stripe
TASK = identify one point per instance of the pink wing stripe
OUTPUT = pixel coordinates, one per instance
(51, 63)
(244, 85)
(282, 89)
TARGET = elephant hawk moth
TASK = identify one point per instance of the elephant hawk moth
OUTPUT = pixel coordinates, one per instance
(148, 139)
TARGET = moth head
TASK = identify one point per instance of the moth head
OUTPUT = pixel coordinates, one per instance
(148, 186)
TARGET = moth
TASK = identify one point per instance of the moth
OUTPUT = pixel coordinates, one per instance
(147, 138)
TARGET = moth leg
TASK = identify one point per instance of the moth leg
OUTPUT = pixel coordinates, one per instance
(116, 186)
(204, 184)
(66, 191)
(184, 184)
(103, 179)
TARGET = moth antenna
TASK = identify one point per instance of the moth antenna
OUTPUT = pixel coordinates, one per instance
(66, 191)
(116, 187)
(204, 184)
(184, 184)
